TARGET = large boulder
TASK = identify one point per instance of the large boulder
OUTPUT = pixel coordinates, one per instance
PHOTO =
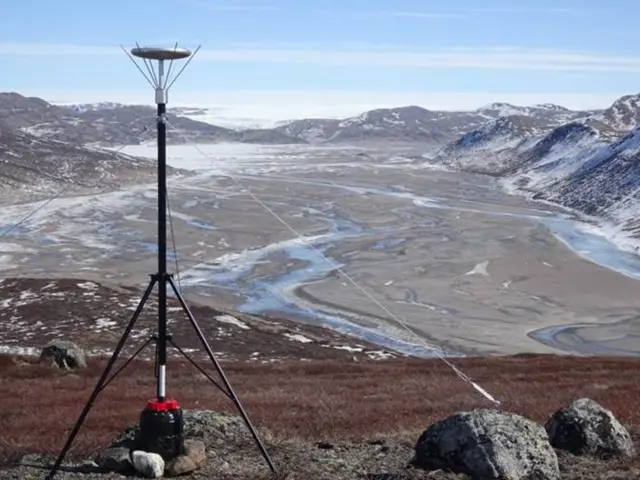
(488, 444)
(586, 428)
(64, 355)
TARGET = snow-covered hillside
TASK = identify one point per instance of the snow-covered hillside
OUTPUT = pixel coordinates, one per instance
(548, 112)
(586, 165)
(493, 148)
(30, 165)
(623, 115)
(555, 155)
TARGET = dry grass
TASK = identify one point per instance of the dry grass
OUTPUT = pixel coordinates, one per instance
(320, 400)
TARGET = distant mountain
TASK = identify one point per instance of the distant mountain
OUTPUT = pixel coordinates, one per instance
(113, 124)
(548, 112)
(416, 124)
(87, 107)
(133, 124)
(623, 115)
(119, 124)
(403, 124)
(311, 130)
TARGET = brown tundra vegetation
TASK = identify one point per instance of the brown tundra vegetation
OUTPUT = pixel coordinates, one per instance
(317, 401)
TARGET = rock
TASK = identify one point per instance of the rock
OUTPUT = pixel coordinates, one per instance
(324, 445)
(88, 466)
(126, 439)
(198, 423)
(64, 355)
(196, 450)
(194, 457)
(488, 444)
(115, 459)
(442, 475)
(180, 465)
(149, 465)
(586, 428)
(35, 459)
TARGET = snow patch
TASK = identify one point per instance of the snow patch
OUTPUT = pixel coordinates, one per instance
(105, 323)
(479, 269)
(298, 338)
(228, 319)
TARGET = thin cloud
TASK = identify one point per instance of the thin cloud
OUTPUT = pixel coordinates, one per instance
(230, 7)
(218, 6)
(426, 15)
(469, 58)
(373, 14)
(522, 10)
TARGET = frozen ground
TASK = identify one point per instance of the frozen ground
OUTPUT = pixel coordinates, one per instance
(465, 266)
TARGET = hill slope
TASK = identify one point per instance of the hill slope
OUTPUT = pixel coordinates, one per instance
(31, 165)
(587, 165)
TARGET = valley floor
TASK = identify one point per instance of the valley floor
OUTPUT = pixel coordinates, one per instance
(466, 267)
(321, 419)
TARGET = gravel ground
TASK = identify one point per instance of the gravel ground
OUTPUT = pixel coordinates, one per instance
(233, 455)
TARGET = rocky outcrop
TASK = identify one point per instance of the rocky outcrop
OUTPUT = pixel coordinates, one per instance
(63, 354)
(488, 444)
(586, 428)
(124, 455)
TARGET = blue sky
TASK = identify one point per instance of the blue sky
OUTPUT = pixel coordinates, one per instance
(440, 54)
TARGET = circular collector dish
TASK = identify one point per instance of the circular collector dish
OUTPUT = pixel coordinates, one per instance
(158, 53)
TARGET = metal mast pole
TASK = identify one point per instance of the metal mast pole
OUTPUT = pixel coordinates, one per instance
(161, 100)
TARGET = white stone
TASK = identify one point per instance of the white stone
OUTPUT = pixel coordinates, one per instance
(149, 465)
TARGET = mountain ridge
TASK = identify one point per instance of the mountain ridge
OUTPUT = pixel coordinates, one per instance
(112, 123)
(587, 165)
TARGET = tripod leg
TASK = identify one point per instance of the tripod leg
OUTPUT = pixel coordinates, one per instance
(99, 385)
(232, 394)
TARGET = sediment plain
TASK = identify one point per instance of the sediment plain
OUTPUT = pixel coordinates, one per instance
(356, 239)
